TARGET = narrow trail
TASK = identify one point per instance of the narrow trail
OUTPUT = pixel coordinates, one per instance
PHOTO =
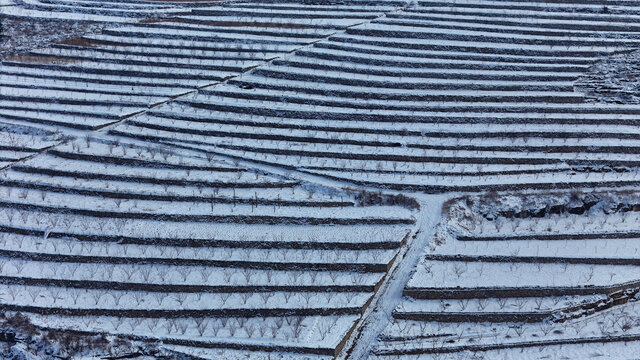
(379, 313)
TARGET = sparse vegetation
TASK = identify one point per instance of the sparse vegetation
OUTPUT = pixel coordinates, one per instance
(263, 180)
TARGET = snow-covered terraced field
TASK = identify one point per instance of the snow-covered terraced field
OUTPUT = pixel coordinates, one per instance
(21, 142)
(96, 80)
(95, 11)
(166, 244)
(543, 271)
(294, 179)
(430, 97)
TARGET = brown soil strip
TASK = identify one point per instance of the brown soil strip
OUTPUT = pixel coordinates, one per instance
(41, 59)
(80, 41)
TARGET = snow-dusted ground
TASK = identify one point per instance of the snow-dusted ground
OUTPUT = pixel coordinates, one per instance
(231, 180)
(512, 272)
(232, 256)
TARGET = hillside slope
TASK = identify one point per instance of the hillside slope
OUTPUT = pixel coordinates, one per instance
(319, 179)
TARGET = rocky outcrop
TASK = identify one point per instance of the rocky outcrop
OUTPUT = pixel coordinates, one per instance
(614, 79)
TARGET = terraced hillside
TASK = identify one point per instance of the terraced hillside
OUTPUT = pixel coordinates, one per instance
(196, 252)
(108, 11)
(98, 80)
(551, 274)
(436, 97)
(320, 179)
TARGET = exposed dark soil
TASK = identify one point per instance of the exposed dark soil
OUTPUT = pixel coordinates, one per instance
(20, 339)
(19, 35)
(615, 79)
(574, 202)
